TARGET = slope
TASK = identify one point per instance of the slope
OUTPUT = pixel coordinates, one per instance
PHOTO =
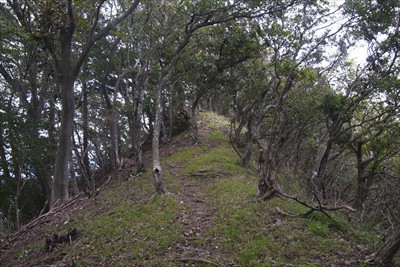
(208, 218)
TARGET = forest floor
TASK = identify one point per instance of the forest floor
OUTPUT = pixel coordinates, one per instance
(209, 217)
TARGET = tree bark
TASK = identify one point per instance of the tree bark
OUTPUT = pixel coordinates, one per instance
(364, 177)
(141, 81)
(112, 117)
(195, 123)
(60, 184)
(72, 175)
(157, 170)
(386, 253)
(267, 172)
(85, 118)
(246, 157)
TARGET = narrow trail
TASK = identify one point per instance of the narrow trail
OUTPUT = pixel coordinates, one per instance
(196, 215)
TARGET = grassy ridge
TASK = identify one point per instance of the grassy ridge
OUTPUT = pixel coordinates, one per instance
(125, 226)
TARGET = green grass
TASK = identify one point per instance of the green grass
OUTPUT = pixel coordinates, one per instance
(218, 136)
(123, 229)
(132, 231)
(219, 161)
(124, 226)
(259, 236)
(186, 154)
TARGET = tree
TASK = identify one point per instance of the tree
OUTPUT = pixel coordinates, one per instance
(28, 82)
(385, 255)
(291, 49)
(68, 70)
(171, 46)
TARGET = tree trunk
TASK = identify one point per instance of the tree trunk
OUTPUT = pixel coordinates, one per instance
(114, 140)
(195, 123)
(111, 109)
(141, 81)
(85, 119)
(246, 157)
(60, 184)
(69, 73)
(267, 173)
(364, 176)
(157, 170)
(113, 124)
(317, 179)
(386, 253)
(72, 175)
(363, 183)
(170, 117)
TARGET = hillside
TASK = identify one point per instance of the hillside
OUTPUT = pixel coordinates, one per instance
(208, 218)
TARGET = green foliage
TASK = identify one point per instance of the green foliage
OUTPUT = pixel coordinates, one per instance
(333, 105)
(374, 17)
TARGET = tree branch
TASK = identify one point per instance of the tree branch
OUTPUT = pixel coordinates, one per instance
(94, 38)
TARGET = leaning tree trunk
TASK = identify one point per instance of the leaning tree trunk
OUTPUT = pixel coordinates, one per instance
(113, 124)
(157, 170)
(386, 253)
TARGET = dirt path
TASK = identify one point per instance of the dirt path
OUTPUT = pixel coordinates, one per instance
(196, 215)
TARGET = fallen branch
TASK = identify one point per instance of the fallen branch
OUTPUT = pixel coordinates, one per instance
(321, 208)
